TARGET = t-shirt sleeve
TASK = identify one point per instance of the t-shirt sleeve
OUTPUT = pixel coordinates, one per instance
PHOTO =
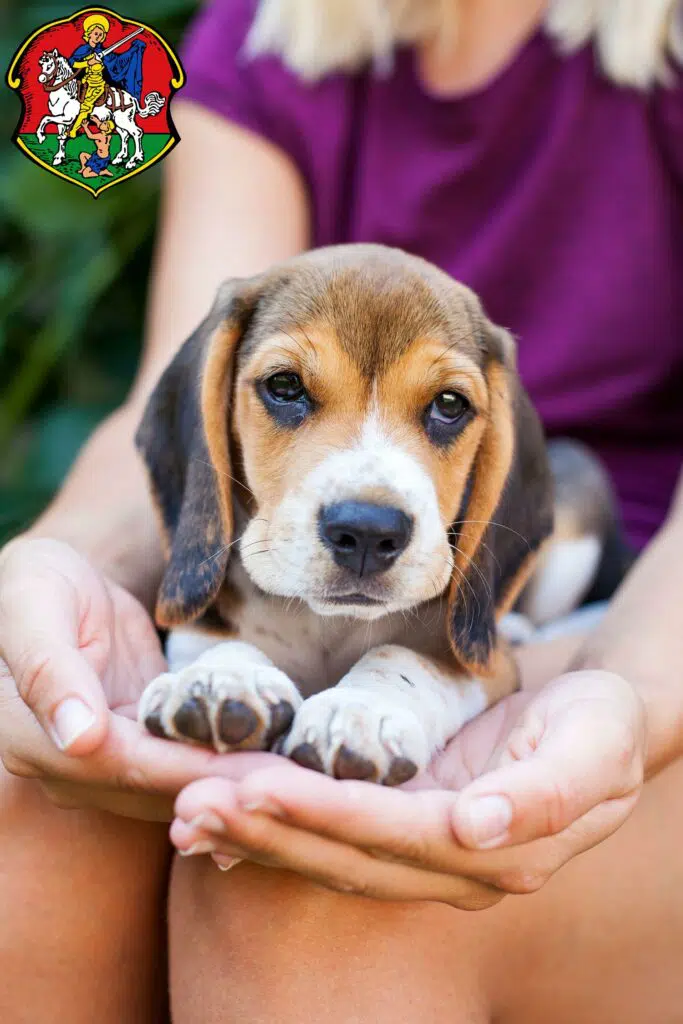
(256, 94)
(312, 123)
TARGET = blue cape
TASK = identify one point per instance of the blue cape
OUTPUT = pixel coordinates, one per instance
(123, 69)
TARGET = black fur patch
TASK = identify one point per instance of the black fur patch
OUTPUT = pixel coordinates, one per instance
(521, 522)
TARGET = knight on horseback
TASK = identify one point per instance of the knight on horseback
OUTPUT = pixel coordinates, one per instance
(110, 88)
(96, 73)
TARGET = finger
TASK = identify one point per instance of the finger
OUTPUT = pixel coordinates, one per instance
(39, 630)
(581, 761)
(415, 828)
(130, 760)
(393, 825)
(140, 654)
(133, 760)
(412, 826)
(327, 862)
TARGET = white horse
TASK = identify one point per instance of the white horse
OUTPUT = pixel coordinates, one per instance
(64, 108)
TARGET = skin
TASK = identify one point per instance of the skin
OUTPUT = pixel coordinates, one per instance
(102, 141)
(256, 926)
(595, 944)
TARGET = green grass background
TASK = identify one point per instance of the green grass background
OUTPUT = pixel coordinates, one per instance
(64, 257)
(152, 144)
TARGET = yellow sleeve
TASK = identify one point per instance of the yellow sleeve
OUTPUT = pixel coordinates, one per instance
(78, 64)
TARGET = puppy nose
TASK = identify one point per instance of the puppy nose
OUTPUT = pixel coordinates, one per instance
(363, 537)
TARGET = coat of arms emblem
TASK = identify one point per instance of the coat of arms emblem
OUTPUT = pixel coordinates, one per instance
(96, 89)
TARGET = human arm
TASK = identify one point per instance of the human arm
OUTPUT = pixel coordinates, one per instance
(99, 534)
(641, 638)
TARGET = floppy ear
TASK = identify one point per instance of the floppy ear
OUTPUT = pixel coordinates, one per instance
(506, 514)
(184, 441)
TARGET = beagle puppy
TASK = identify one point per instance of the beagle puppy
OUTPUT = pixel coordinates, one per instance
(352, 487)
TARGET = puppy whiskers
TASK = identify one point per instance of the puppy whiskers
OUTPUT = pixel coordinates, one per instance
(490, 522)
(227, 547)
(475, 567)
(220, 551)
(221, 472)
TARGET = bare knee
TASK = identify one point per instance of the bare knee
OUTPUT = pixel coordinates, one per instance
(243, 943)
(82, 896)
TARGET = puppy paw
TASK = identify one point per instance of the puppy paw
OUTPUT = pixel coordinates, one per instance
(242, 708)
(356, 734)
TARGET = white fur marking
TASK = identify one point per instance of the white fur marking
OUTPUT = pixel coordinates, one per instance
(564, 577)
(393, 703)
(184, 646)
(292, 560)
(442, 704)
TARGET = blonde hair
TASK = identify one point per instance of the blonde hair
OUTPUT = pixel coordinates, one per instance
(107, 127)
(635, 40)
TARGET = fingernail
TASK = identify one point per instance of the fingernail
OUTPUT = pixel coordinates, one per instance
(71, 719)
(203, 846)
(208, 821)
(262, 804)
(225, 863)
(486, 819)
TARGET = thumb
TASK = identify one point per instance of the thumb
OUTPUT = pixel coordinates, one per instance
(584, 759)
(39, 642)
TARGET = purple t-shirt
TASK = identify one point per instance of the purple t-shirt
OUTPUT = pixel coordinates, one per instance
(555, 195)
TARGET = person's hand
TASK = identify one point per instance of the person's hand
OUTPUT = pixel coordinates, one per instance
(525, 787)
(76, 650)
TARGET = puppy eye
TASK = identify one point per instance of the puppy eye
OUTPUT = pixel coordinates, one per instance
(449, 407)
(285, 387)
(285, 398)
(446, 415)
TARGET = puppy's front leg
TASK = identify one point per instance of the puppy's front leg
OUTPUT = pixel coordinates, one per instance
(388, 716)
(231, 698)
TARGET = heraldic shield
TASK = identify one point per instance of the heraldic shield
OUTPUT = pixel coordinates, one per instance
(96, 92)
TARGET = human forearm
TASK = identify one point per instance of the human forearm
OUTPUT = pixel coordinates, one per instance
(104, 509)
(641, 639)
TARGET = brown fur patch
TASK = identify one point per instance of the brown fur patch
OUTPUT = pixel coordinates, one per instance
(216, 386)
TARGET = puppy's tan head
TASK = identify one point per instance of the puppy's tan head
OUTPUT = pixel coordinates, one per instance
(383, 449)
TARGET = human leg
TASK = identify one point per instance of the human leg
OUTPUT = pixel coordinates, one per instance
(82, 897)
(600, 943)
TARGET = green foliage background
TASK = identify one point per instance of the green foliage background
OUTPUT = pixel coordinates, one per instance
(73, 277)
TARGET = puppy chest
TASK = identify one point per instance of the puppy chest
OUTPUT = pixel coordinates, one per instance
(314, 651)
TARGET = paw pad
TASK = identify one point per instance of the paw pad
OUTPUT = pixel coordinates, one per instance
(350, 765)
(350, 733)
(236, 722)
(245, 708)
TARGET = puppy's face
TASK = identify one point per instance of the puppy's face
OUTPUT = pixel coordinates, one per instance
(372, 416)
(358, 419)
